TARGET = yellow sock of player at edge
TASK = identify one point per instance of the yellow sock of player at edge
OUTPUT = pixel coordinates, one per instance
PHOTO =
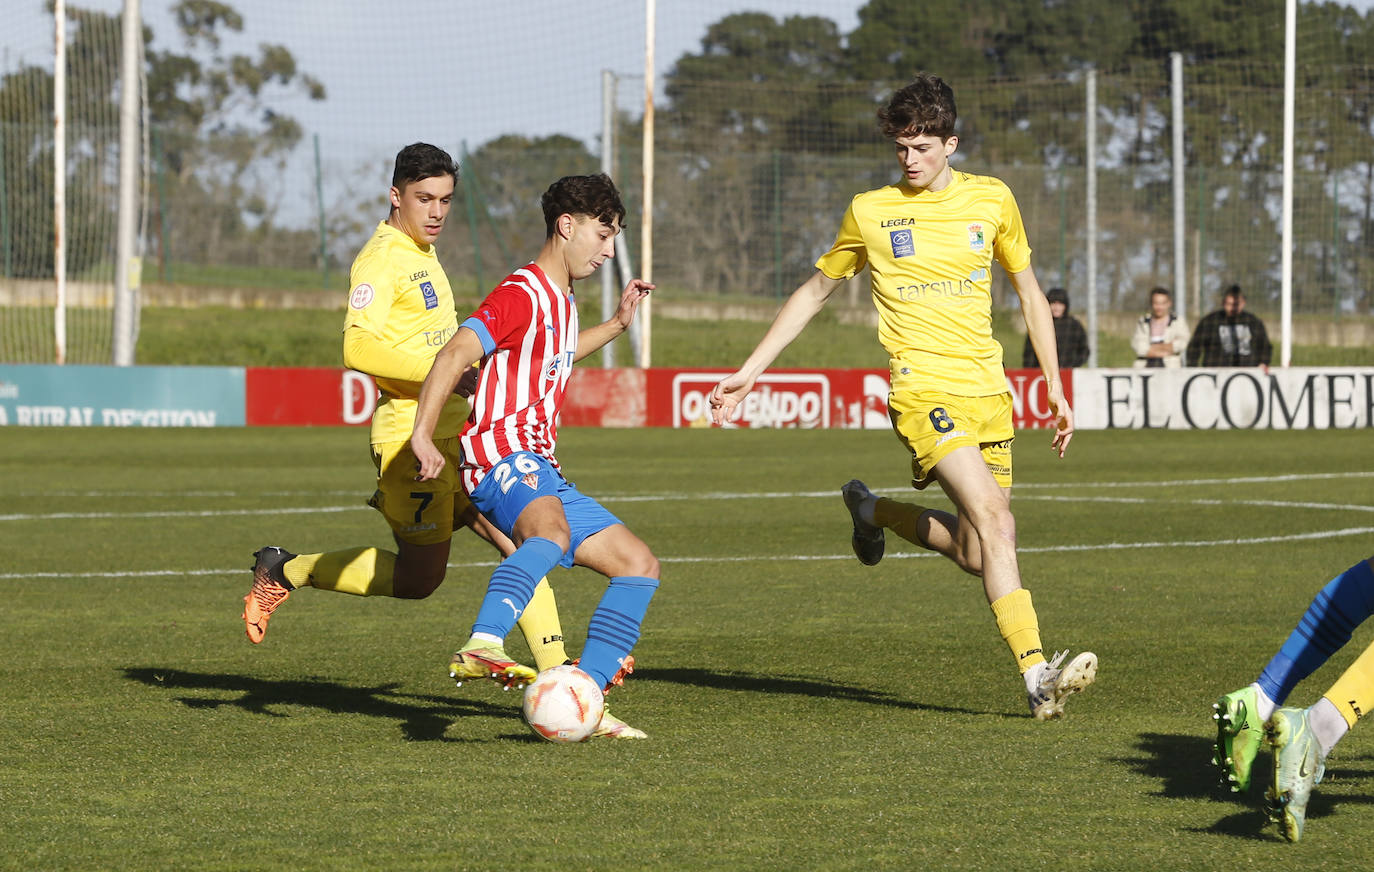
(359, 571)
(543, 631)
(1020, 628)
(900, 518)
(1353, 692)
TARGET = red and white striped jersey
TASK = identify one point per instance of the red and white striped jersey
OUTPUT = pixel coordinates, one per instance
(528, 328)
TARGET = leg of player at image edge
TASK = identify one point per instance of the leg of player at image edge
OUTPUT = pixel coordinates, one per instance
(1300, 739)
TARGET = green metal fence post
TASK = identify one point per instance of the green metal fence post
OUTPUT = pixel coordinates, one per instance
(1335, 248)
(164, 243)
(319, 206)
(1201, 232)
(777, 225)
(5, 209)
(1063, 228)
(481, 201)
(465, 168)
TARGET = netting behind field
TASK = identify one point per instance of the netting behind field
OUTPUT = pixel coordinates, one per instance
(273, 132)
(27, 288)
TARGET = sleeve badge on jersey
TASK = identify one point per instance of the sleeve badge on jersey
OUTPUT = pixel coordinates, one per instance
(361, 296)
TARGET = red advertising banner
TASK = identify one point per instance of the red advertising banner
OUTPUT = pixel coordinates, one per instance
(800, 398)
(787, 398)
(1030, 405)
(308, 397)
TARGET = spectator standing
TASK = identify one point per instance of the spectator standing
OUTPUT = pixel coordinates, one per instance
(1230, 336)
(1161, 336)
(1069, 336)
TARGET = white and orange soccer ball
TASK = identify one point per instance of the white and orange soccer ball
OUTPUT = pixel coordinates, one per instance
(564, 704)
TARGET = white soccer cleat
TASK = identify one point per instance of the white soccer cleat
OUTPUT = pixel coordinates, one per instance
(612, 727)
(1057, 684)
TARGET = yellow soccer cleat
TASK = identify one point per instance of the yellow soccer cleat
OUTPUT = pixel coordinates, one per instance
(489, 661)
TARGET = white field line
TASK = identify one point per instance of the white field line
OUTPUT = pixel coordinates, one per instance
(800, 558)
(1018, 491)
(726, 495)
(206, 513)
(828, 494)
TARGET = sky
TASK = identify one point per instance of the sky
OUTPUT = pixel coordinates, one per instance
(460, 70)
(453, 72)
(456, 71)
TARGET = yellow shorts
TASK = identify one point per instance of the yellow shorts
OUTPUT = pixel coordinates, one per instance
(419, 512)
(932, 424)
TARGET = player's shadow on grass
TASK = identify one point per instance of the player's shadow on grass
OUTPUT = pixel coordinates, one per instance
(799, 685)
(422, 717)
(1183, 766)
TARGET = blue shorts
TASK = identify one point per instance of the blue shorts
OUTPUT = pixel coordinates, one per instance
(523, 477)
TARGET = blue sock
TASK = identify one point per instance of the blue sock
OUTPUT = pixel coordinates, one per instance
(1327, 624)
(614, 628)
(512, 584)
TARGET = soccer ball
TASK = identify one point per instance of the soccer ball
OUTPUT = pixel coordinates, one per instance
(564, 704)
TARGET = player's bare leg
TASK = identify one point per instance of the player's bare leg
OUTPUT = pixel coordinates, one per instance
(420, 569)
(943, 533)
(986, 530)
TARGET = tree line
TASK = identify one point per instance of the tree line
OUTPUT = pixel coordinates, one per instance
(767, 128)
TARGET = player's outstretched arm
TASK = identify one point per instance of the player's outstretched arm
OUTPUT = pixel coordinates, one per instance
(593, 338)
(458, 354)
(365, 352)
(1040, 328)
(791, 319)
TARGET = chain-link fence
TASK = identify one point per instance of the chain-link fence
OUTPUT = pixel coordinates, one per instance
(267, 175)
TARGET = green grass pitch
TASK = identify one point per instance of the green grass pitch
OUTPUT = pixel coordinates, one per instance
(805, 712)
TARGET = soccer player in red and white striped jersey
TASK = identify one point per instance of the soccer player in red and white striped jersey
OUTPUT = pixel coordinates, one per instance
(521, 386)
(527, 336)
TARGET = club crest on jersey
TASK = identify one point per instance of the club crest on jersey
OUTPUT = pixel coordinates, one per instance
(361, 296)
(560, 361)
(975, 237)
(903, 243)
(431, 297)
(530, 480)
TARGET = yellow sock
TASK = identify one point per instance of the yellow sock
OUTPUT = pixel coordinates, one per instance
(1017, 623)
(359, 571)
(1353, 692)
(900, 518)
(543, 632)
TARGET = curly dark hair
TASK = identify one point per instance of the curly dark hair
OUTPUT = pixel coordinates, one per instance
(594, 196)
(923, 108)
(419, 161)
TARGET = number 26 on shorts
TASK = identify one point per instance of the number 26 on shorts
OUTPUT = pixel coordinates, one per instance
(506, 476)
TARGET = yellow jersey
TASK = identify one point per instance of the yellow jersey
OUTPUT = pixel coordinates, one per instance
(400, 313)
(930, 255)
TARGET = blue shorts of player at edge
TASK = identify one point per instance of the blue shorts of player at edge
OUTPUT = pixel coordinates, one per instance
(523, 477)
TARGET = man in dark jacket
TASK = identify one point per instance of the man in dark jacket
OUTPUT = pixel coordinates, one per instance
(1069, 335)
(1230, 336)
